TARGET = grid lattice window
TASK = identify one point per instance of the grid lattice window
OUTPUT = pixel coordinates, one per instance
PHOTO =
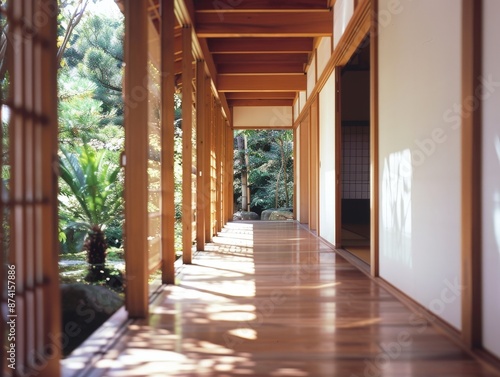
(355, 162)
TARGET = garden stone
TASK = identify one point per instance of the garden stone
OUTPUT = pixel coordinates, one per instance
(244, 215)
(266, 214)
(281, 215)
(84, 309)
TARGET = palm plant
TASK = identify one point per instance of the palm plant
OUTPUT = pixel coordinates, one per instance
(93, 183)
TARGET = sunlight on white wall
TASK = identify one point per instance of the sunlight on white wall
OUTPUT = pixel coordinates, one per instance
(496, 218)
(490, 184)
(343, 11)
(327, 160)
(496, 200)
(396, 207)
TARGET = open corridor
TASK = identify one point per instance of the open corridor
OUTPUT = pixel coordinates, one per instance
(271, 299)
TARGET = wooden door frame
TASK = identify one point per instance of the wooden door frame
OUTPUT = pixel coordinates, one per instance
(374, 140)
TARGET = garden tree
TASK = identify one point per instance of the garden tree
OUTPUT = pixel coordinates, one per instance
(97, 55)
(284, 140)
(93, 182)
(270, 168)
(241, 141)
(81, 119)
(70, 15)
(88, 114)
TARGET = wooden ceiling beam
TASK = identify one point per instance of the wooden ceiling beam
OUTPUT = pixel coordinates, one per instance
(260, 95)
(265, 24)
(260, 58)
(261, 83)
(260, 102)
(236, 6)
(260, 45)
(260, 68)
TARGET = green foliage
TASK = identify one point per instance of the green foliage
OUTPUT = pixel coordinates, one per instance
(90, 118)
(93, 182)
(97, 54)
(270, 170)
(114, 234)
(81, 119)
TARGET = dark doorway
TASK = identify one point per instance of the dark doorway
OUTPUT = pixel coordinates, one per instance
(355, 155)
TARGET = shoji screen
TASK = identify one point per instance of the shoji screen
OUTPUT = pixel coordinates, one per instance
(29, 271)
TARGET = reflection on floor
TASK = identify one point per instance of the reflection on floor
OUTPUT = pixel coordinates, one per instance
(356, 240)
(271, 299)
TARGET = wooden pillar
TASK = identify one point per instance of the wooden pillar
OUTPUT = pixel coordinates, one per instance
(200, 154)
(471, 174)
(219, 140)
(304, 170)
(295, 171)
(136, 153)
(374, 166)
(207, 163)
(223, 137)
(229, 173)
(167, 137)
(187, 150)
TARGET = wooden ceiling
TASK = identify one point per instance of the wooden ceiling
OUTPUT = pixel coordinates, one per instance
(261, 48)
(257, 51)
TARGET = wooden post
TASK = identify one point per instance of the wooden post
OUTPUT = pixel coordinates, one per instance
(207, 161)
(167, 137)
(471, 175)
(200, 154)
(296, 140)
(46, 253)
(230, 173)
(218, 155)
(187, 151)
(304, 171)
(374, 170)
(136, 154)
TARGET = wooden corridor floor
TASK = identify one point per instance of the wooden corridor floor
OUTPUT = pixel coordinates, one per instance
(270, 299)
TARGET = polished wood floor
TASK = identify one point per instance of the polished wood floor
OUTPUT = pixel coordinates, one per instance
(270, 299)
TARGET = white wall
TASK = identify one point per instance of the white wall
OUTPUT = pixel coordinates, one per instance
(262, 116)
(327, 160)
(295, 109)
(302, 100)
(342, 13)
(311, 77)
(419, 152)
(324, 52)
(491, 178)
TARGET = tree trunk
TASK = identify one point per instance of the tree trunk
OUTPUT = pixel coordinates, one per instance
(282, 168)
(244, 174)
(247, 164)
